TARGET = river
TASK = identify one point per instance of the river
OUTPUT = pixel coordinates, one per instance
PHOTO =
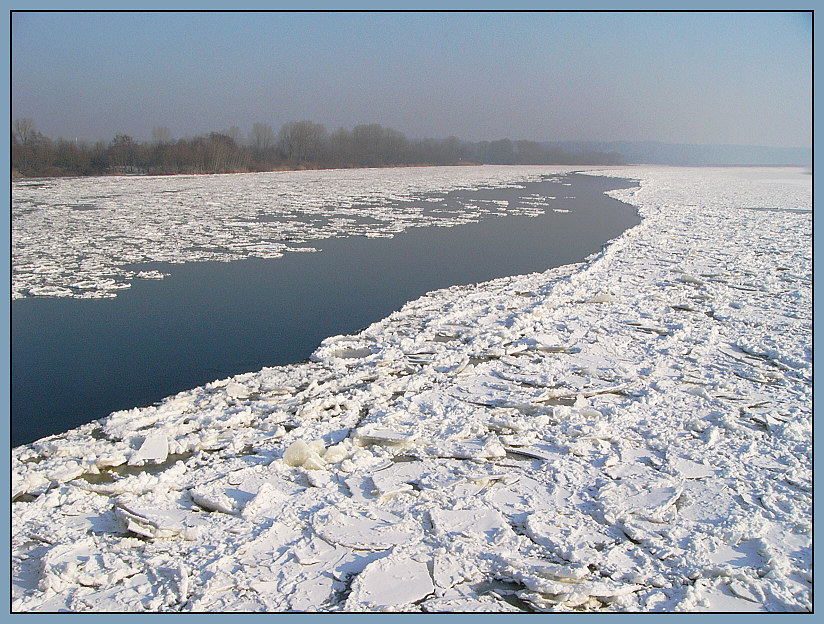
(74, 361)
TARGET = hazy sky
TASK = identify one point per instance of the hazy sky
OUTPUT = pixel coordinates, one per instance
(735, 78)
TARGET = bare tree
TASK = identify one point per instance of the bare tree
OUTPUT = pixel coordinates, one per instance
(161, 135)
(395, 146)
(451, 150)
(24, 130)
(302, 141)
(122, 153)
(262, 137)
(233, 133)
(222, 155)
(341, 147)
(368, 140)
(500, 152)
(298, 144)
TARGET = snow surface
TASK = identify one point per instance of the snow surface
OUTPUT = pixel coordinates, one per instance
(631, 433)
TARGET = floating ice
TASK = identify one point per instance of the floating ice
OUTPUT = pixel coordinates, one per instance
(363, 530)
(262, 215)
(307, 455)
(390, 583)
(155, 448)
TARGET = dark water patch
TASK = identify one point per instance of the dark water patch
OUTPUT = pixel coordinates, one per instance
(74, 361)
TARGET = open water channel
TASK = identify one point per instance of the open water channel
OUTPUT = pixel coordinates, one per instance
(74, 361)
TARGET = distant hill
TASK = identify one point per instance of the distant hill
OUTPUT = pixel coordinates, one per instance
(654, 153)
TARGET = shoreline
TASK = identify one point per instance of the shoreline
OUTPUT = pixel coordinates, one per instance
(630, 433)
(21, 178)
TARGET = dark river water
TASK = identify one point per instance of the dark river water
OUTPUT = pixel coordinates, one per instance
(74, 361)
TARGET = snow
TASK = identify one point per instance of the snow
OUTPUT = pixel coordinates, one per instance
(631, 433)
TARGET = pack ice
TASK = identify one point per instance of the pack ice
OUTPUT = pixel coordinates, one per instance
(632, 433)
(99, 228)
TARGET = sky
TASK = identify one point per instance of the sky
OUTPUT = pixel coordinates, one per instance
(700, 78)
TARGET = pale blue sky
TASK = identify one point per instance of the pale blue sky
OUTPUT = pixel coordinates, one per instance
(733, 78)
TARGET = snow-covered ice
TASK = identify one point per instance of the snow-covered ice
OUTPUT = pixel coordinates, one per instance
(631, 433)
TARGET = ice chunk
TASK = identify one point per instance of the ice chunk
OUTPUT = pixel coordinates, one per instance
(391, 582)
(266, 497)
(237, 390)
(384, 437)
(565, 573)
(386, 485)
(301, 454)
(571, 535)
(648, 498)
(691, 279)
(338, 452)
(707, 501)
(364, 530)
(82, 563)
(486, 524)
(449, 569)
(212, 499)
(602, 298)
(692, 470)
(155, 448)
(592, 595)
(746, 591)
(156, 523)
(487, 448)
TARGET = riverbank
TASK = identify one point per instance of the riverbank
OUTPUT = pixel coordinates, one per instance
(632, 433)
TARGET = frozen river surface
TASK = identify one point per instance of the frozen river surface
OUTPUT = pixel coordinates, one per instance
(629, 433)
(76, 360)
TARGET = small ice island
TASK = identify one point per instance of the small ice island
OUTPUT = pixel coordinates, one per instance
(631, 433)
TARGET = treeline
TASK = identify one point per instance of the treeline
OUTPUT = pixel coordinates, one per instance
(298, 145)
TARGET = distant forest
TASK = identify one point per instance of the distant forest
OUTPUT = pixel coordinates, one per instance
(297, 145)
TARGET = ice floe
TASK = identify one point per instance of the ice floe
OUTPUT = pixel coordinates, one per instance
(631, 433)
(177, 219)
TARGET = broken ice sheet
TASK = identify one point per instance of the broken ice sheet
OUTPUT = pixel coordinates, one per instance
(397, 478)
(646, 497)
(367, 529)
(390, 583)
(487, 448)
(468, 604)
(85, 563)
(155, 448)
(250, 491)
(382, 436)
(569, 534)
(550, 585)
(486, 524)
(157, 523)
(690, 469)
